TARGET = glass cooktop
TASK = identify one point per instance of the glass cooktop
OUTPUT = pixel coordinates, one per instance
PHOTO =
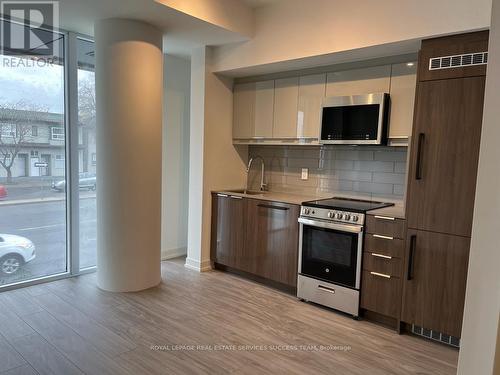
(347, 204)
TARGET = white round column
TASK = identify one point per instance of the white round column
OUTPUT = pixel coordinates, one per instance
(129, 89)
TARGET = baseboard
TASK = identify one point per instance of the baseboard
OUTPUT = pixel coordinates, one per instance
(198, 266)
(173, 253)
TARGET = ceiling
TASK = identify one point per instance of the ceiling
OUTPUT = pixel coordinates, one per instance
(259, 3)
(182, 32)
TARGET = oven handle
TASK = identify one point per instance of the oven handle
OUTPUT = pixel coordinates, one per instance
(324, 224)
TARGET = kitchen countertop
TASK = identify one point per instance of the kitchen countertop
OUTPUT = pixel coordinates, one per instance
(397, 211)
(275, 196)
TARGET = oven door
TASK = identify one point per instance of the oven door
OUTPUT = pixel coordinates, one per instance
(331, 251)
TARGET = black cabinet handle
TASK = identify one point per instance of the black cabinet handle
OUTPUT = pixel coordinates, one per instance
(413, 244)
(272, 207)
(421, 140)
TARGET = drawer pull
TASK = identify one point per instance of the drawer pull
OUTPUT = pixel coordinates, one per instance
(235, 197)
(326, 289)
(383, 237)
(380, 275)
(381, 256)
(222, 195)
(385, 218)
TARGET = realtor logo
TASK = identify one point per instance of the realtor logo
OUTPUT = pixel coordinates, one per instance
(31, 27)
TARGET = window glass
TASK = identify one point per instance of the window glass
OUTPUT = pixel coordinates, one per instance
(87, 153)
(32, 164)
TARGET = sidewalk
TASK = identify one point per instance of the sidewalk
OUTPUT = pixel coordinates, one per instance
(83, 195)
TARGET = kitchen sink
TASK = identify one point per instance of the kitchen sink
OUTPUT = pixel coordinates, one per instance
(247, 192)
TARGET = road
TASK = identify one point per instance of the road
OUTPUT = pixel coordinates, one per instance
(45, 225)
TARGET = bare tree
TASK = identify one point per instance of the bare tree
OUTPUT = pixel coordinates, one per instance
(86, 102)
(16, 121)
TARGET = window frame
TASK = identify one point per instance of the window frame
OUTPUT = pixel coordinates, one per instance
(55, 136)
(11, 134)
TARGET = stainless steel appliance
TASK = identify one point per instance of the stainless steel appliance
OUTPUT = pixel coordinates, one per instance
(355, 120)
(330, 251)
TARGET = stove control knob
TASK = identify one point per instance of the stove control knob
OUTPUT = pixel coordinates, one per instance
(306, 211)
(355, 218)
(330, 215)
(338, 215)
(347, 217)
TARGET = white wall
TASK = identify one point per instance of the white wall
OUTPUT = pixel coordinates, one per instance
(296, 29)
(214, 162)
(175, 169)
(482, 300)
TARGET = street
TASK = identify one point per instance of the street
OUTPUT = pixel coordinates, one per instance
(44, 223)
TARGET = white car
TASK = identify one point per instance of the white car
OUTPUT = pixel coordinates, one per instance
(15, 251)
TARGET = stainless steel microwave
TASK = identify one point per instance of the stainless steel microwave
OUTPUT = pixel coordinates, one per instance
(355, 120)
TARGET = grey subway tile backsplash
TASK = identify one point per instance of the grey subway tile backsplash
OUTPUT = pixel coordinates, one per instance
(355, 154)
(372, 188)
(374, 166)
(365, 172)
(400, 167)
(389, 178)
(390, 156)
(399, 190)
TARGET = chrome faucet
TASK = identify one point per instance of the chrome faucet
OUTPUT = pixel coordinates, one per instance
(263, 185)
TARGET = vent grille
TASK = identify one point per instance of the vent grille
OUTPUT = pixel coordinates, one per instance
(458, 61)
(436, 336)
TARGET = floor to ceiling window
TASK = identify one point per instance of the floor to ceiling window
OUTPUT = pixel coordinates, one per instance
(33, 165)
(87, 157)
(45, 204)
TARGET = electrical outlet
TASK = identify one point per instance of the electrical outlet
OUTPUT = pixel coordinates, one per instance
(305, 174)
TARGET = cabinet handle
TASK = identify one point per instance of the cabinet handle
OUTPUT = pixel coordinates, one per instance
(383, 237)
(222, 195)
(385, 218)
(326, 289)
(272, 207)
(380, 275)
(413, 244)
(235, 197)
(418, 171)
(381, 256)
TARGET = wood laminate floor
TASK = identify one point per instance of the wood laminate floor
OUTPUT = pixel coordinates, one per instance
(209, 323)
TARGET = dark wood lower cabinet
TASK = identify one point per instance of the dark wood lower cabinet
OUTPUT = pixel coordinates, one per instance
(381, 294)
(272, 239)
(435, 280)
(256, 236)
(228, 231)
(383, 268)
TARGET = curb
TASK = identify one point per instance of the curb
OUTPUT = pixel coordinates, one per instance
(38, 200)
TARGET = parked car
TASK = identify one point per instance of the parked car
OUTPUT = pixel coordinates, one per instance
(15, 252)
(86, 181)
(3, 192)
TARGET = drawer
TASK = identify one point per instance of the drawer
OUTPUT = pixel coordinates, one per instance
(380, 294)
(379, 263)
(326, 294)
(386, 226)
(394, 247)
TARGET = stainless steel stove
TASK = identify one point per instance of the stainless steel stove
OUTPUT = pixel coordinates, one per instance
(330, 251)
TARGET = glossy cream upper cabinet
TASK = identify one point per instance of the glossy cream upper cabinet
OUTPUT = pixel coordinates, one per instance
(359, 81)
(243, 110)
(253, 105)
(264, 109)
(286, 96)
(311, 94)
(403, 86)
